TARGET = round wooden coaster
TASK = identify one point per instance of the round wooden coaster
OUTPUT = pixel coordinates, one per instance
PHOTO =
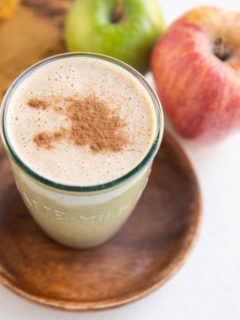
(146, 252)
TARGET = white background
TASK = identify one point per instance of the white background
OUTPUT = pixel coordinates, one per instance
(208, 286)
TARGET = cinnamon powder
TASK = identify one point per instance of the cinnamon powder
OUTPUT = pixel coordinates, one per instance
(46, 139)
(92, 123)
(38, 104)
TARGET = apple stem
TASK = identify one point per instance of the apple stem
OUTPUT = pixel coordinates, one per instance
(117, 11)
(220, 49)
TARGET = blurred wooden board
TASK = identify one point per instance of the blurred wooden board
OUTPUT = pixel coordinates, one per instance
(33, 32)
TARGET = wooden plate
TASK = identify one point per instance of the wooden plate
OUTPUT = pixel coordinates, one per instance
(147, 251)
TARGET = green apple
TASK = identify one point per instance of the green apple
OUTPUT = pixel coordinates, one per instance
(124, 29)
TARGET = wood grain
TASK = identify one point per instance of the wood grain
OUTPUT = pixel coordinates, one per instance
(52, 10)
(148, 250)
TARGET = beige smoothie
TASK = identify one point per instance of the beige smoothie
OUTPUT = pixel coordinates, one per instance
(78, 125)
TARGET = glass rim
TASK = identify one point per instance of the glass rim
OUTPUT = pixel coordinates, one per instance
(98, 187)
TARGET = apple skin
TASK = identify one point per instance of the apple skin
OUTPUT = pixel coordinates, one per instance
(89, 28)
(200, 92)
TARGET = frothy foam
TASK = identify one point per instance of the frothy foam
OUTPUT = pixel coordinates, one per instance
(67, 163)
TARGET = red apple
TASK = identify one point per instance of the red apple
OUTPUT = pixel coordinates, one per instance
(196, 67)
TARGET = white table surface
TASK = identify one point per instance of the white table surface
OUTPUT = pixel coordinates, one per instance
(208, 286)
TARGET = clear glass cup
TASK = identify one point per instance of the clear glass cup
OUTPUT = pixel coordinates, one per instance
(81, 216)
